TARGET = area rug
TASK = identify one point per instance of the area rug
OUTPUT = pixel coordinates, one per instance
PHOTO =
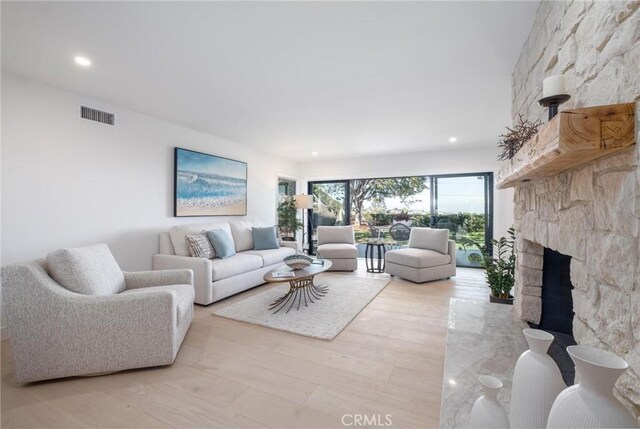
(347, 296)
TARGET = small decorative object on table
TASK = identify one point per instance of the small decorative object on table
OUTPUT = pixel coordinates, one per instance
(591, 403)
(283, 274)
(487, 412)
(536, 382)
(319, 260)
(297, 261)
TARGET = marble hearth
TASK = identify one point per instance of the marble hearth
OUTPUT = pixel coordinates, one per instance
(482, 339)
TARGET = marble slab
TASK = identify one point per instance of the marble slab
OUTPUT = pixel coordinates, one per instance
(482, 339)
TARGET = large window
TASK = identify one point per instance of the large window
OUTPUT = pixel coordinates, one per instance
(387, 208)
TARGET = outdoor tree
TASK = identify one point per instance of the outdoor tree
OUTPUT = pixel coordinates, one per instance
(377, 189)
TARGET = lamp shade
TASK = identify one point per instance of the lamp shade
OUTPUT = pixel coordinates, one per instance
(304, 201)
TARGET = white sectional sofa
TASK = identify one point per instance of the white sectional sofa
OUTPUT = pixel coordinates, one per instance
(215, 279)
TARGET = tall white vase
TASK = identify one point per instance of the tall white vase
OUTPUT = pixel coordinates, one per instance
(536, 382)
(487, 412)
(591, 404)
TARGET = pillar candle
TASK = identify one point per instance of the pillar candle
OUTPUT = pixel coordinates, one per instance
(553, 85)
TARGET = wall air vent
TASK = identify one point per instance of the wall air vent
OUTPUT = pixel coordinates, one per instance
(97, 115)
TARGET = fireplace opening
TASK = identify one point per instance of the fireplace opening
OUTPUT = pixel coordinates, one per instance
(557, 302)
(557, 310)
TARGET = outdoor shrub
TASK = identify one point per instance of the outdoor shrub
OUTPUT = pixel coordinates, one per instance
(403, 216)
(381, 218)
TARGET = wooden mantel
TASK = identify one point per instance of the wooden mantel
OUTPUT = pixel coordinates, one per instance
(572, 138)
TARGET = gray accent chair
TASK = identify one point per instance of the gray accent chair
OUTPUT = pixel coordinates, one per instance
(430, 255)
(338, 244)
(77, 313)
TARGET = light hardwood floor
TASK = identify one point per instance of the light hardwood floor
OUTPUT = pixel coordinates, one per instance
(388, 361)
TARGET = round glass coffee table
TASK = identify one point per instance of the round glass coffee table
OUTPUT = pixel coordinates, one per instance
(301, 286)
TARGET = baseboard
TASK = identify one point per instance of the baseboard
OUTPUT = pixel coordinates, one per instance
(4, 333)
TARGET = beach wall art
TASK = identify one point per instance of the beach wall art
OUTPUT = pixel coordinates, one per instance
(209, 185)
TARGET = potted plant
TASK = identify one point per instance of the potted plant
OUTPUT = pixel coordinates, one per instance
(500, 267)
(288, 222)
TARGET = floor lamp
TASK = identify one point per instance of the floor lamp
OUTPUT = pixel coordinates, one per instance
(304, 202)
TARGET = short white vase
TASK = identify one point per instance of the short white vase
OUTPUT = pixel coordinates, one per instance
(537, 382)
(590, 403)
(487, 412)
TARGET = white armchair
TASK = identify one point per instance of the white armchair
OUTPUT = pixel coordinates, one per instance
(93, 318)
(430, 255)
(337, 243)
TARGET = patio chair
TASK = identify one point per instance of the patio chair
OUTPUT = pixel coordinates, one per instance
(375, 232)
(400, 232)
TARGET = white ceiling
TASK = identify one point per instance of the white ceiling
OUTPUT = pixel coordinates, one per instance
(339, 78)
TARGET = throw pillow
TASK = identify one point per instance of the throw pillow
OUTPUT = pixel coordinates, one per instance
(222, 243)
(264, 238)
(200, 246)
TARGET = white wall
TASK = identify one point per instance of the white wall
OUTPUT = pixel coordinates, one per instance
(71, 182)
(464, 160)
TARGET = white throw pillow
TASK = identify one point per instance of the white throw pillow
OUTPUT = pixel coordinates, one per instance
(242, 234)
(430, 239)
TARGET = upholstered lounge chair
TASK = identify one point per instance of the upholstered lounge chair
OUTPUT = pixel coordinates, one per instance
(337, 243)
(77, 313)
(430, 255)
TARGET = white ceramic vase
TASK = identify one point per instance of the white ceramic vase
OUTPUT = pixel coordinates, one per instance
(590, 403)
(487, 412)
(536, 382)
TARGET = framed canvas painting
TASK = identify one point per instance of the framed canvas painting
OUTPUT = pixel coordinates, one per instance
(209, 185)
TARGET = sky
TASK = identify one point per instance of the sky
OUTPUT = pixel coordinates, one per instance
(201, 163)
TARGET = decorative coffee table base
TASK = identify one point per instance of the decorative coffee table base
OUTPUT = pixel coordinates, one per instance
(301, 287)
(299, 290)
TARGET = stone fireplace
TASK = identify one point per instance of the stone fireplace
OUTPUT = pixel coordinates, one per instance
(590, 213)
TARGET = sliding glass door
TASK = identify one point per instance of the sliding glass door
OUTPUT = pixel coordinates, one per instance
(387, 209)
(330, 207)
(462, 204)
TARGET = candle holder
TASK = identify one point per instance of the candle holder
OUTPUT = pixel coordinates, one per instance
(552, 102)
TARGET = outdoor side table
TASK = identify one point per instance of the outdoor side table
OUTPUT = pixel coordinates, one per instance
(375, 265)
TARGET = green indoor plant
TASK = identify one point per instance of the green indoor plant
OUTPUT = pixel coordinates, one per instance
(500, 266)
(288, 222)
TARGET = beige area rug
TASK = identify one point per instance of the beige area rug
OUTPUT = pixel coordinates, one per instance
(346, 297)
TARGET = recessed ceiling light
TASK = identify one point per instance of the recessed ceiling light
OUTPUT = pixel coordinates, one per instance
(453, 139)
(82, 61)
(314, 153)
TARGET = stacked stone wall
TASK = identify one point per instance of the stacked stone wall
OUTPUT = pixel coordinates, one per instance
(591, 213)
